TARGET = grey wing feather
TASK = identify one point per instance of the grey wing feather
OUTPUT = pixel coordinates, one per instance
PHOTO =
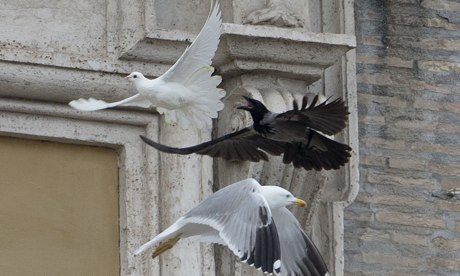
(243, 219)
(299, 256)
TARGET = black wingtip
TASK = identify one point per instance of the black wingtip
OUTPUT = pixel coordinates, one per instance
(167, 149)
(145, 139)
(149, 142)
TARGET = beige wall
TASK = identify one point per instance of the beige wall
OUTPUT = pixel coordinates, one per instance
(58, 209)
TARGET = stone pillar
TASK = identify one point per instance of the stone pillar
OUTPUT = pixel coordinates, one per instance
(308, 55)
(185, 181)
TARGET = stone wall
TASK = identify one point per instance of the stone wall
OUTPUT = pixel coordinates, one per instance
(55, 51)
(408, 66)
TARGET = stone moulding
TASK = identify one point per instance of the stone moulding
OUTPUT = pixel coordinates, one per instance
(245, 48)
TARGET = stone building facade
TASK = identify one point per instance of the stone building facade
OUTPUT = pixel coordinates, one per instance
(54, 51)
(408, 58)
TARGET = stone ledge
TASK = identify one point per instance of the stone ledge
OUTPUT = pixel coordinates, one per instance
(243, 49)
(247, 48)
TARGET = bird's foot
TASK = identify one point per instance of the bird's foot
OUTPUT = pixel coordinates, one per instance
(165, 246)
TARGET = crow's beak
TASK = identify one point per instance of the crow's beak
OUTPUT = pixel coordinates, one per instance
(249, 105)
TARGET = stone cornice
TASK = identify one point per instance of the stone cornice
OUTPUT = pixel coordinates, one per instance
(243, 49)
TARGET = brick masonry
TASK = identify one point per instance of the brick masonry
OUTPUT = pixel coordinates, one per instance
(408, 74)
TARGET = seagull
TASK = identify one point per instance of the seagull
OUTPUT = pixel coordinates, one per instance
(298, 134)
(187, 93)
(254, 223)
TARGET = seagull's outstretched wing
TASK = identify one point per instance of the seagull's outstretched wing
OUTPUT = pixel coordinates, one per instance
(243, 219)
(92, 104)
(329, 118)
(299, 256)
(200, 53)
(243, 145)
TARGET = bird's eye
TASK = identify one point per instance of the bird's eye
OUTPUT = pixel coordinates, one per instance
(135, 76)
(287, 196)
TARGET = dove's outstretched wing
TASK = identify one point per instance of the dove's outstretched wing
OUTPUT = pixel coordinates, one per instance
(200, 53)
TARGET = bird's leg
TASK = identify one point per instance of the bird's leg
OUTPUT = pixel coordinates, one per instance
(165, 246)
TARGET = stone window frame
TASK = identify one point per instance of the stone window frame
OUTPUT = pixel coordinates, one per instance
(118, 130)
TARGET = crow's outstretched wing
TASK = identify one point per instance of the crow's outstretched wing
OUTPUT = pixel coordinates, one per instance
(244, 145)
(329, 118)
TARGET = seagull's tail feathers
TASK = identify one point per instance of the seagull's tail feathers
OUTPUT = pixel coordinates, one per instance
(206, 102)
(146, 246)
(162, 242)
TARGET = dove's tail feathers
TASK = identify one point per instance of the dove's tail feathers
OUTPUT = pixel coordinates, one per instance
(204, 106)
(92, 104)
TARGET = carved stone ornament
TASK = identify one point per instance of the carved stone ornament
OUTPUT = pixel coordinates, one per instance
(276, 14)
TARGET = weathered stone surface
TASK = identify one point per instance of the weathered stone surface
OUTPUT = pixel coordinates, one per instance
(410, 220)
(445, 5)
(392, 200)
(402, 181)
(409, 239)
(408, 87)
(405, 163)
(447, 264)
(446, 244)
(457, 226)
(399, 261)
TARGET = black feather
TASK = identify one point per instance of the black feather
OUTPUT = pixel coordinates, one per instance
(283, 133)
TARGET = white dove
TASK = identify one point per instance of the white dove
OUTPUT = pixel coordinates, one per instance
(187, 93)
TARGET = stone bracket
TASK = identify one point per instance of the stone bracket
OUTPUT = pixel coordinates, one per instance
(246, 48)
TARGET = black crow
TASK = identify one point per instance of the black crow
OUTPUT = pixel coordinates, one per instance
(294, 133)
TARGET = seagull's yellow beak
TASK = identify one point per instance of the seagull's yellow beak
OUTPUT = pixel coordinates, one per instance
(300, 202)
